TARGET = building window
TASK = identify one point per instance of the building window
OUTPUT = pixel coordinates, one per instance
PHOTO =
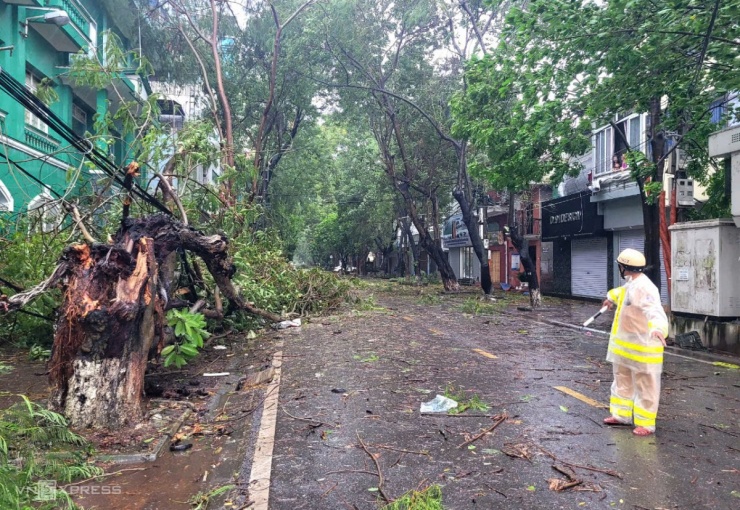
(604, 147)
(33, 83)
(633, 134)
(79, 120)
(6, 200)
(44, 213)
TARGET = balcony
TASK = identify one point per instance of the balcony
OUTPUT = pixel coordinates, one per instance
(25, 3)
(40, 141)
(69, 38)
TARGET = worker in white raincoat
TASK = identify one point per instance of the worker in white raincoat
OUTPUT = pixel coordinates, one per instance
(635, 346)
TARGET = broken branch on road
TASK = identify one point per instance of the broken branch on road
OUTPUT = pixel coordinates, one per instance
(500, 419)
(579, 466)
(311, 421)
(377, 466)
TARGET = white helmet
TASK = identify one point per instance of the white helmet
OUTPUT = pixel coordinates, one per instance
(632, 259)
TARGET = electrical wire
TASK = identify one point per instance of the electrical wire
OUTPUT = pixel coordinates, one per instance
(25, 97)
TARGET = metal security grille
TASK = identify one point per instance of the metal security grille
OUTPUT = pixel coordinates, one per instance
(589, 267)
(635, 239)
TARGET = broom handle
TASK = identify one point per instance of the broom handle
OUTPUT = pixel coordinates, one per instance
(595, 316)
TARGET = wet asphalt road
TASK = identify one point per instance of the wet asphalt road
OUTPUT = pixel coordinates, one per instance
(391, 359)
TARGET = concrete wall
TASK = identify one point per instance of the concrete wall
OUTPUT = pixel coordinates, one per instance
(720, 336)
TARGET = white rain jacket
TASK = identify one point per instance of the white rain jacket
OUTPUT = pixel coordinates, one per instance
(638, 313)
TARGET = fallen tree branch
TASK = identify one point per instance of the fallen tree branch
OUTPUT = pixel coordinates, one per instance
(350, 471)
(377, 466)
(502, 418)
(168, 191)
(718, 429)
(78, 220)
(23, 298)
(579, 466)
(386, 447)
(102, 476)
(313, 422)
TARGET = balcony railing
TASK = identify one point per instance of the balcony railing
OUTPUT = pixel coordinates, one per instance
(533, 227)
(40, 142)
(78, 33)
(77, 13)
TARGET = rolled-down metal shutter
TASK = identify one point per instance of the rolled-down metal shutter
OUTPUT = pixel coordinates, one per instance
(635, 239)
(589, 267)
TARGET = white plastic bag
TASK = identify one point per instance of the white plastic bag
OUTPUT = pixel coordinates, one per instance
(295, 323)
(440, 404)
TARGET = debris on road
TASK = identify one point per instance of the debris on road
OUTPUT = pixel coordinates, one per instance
(726, 365)
(560, 484)
(690, 340)
(485, 353)
(499, 420)
(295, 323)
(180, 447)
(440, 404)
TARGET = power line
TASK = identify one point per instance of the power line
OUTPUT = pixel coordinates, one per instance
(25, 97)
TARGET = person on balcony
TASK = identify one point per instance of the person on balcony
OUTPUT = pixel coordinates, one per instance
(617, 164)
(635, 346)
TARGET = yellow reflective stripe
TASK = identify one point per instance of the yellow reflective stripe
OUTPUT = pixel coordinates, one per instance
(645, 413)
(642, 422)
(636, 357)
(638, 347)
(653, 326)
(621, 401)
(615, 295)
(621, 412)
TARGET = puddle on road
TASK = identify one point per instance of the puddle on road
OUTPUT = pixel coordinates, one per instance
(171, 481)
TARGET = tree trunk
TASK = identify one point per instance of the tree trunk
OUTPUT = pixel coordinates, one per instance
(112, 314)
(109, 319)
(530, 270)
(475, 240)
(449, 280)
(650, 212)
(535, 296)
(415, 251)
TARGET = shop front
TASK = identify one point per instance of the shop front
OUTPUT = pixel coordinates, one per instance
(623, 218)
(462, 258)
(578, 248)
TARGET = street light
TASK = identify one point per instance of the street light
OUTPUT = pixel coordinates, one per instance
(56, 17)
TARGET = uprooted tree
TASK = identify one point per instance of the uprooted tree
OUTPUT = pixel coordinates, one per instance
(112, 315)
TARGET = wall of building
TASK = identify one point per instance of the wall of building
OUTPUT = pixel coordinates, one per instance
(40, 151)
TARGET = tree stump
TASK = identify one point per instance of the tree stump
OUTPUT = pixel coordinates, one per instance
(114, 298)
(108, 321)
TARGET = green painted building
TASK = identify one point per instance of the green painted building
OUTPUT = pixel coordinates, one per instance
(38, 39)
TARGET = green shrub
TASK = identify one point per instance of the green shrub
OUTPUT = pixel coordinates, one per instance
(27, 258)
(36, 448)
(189, 331)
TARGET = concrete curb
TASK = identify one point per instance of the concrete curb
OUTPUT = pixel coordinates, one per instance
(136, 458)
(671, 349)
